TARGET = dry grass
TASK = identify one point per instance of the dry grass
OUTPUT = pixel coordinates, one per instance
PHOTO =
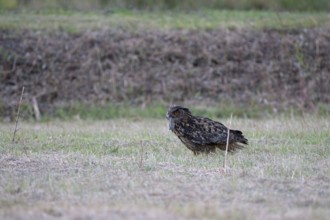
(94, 170)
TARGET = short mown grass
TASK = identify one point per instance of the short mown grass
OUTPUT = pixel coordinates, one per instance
(73, 22)
(136, 168)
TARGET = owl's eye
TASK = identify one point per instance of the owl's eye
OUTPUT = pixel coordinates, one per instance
(176, 113)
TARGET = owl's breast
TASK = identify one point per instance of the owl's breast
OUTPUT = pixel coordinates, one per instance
(183, 129)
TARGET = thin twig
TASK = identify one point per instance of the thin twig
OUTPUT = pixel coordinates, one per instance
(227, 144)
(17, 116)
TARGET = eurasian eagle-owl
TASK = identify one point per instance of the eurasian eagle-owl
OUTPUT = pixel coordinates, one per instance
(202, 135)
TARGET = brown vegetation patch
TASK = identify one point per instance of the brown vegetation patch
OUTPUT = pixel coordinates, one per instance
(269, 68)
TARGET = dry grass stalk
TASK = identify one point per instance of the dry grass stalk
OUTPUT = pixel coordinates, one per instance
(36, 108)
(17, 116)
(227, 144)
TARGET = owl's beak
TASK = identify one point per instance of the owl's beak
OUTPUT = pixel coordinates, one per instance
(171, 125)
(170, 119)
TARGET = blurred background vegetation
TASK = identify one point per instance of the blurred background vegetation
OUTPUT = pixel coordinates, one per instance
(84, 5)
(298, 45)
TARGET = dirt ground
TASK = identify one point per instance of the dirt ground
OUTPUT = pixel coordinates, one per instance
(272, 68)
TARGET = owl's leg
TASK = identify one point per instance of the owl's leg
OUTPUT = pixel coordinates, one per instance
(212, 150)
(223, 147)
(196, 153)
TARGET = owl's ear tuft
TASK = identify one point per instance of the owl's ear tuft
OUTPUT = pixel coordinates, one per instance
(186, 110)
(179, 109)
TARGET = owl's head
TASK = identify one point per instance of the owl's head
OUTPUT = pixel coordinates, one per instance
(175, 114)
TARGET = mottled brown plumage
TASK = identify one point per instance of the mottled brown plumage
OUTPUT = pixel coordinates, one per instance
(202, 135)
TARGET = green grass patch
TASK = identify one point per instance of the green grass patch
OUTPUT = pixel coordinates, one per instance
(108, 112)
(161, 20)
(80, 111)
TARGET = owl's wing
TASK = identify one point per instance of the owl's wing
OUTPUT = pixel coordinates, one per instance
(204, 131)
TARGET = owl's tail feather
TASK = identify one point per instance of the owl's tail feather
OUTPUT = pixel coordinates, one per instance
(236, 139)
(231, 147)
(238, 136)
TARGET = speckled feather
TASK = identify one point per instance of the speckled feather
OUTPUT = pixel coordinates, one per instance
(202, 134)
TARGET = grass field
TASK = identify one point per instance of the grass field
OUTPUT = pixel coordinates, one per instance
(132, 20)
(137, 169)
